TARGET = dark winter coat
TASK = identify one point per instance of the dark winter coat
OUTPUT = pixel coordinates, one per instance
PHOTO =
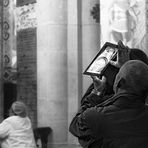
(122, 120)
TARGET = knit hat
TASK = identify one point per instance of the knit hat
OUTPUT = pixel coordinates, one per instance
(134, 73)
(19, 108)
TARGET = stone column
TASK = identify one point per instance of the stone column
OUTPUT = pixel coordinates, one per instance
(52, 69)
(90, 36)
(74, 53)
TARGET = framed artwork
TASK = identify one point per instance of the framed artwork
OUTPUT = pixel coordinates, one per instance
(102, 59)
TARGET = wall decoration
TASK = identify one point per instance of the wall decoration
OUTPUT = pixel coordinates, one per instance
(9, 49)
(6, 3)
(27, 69)
(6, 59)
(26, 17)
(10, 75)
(5, 25)
(6, 75)
(95, 12)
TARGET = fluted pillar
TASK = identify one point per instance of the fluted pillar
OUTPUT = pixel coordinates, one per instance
(74, 59)
(52, 69)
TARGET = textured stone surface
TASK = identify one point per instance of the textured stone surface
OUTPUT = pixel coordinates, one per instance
(26, 70)
(52, 68)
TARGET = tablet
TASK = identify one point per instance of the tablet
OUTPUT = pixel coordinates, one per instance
(97, 66)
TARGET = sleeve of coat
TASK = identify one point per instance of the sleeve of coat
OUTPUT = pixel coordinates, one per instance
(87, 123)
(82, 126)
(4, 129)
(85, 126)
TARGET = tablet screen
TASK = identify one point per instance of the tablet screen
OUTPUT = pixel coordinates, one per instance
(100, 62)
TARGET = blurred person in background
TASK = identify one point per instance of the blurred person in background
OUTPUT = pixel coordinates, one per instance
(16, 130)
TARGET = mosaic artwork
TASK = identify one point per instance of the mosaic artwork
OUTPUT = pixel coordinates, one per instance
(26, 17)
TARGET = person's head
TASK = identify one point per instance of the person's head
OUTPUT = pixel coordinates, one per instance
(18, 108)
(132, 78)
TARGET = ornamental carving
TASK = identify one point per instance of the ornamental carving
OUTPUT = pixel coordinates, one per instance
(6, 3)
(95, 13)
